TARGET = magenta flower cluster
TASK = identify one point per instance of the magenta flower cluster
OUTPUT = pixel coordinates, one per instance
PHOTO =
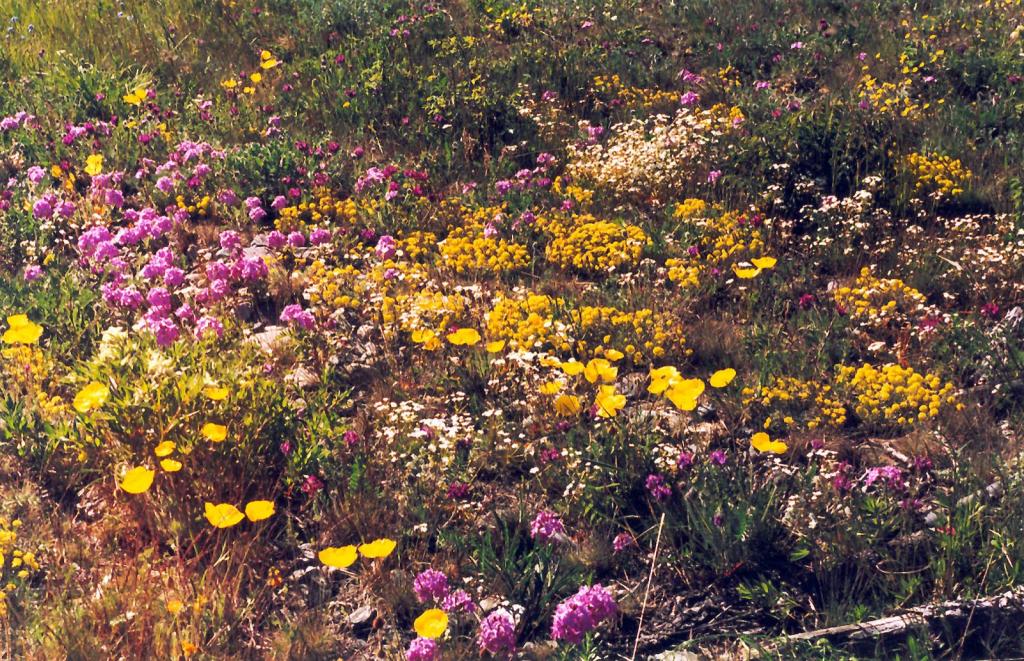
(581, 613)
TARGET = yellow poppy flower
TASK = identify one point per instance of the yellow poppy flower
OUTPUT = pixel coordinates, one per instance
(763, 443)
(609, 402)
(567, 405)
(170, 465)
(224, 515)
(722, 378)
(466, 336)
(572, 367)
(764, 262)
(216, 393)
(91, 397)
(551, 387)
(745, 273)
(138, 480)
(21, 331)
(378, 548)
(496, 346)
(662, 378)
(94, 165)
(431, 624)
(214, 432)
(257, 510)
(599, 369)
(338, 556)
(165, 448)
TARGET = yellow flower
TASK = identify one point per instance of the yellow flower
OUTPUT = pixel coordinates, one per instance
(614, 355)
(188, 649)
(722, 378)
(224, 515)
(662, 378)
(216, 393)
(135, 97)
(165, 448)
(422, 335)
(600, 369)
(21, 331)
(763, 443)
(572, 367)
(267, 60)
(567, 405)
(91, 397)
(467, 336)
(684, 393)
(170, 465)
(609, 402)
(339, 557)
(257, 510)
(138, 480)
(215, 432)
(764, 262)
(378, 548)
(745, 273)
(551, 387)
(431, 624)
(94, 165)
(174, 606)
(496, 346)
(256, 77)
(229, 84)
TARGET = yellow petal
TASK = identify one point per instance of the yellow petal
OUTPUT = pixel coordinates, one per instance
(21, 330)
(431, 624)
(378, 548)
(763, 443)
(170, 465)
(764, 262)
(496, 346)
(257, 510)
(138, 480)
(214, 432)
(165, 448)
(216, 393)
(464, 336)
(91, 397)
(572, 367)
(722, 378)
(551, 388)
(338, 556)
(224, 515)
(745, 273)
(567, 405)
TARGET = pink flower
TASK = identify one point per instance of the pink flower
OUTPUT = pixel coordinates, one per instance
(581, 613)
(422, 649)
(430, 585)
(497, 633)
(546, 526)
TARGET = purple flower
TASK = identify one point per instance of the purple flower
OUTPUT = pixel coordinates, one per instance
(546, 525)
(207, 326)
(36, 174)
(280, 202)
(294, 315)
(276, 240)
(718, 457)
(319, 236)
(581, 613)
(165, 185)
(622, 542)
(430, 585)
(497, 633)
(684, 460)
(174, 276)
(422, 649)
(33, 272)
(657, 488)
(386, 247)
(229, 240)
(159, 299)
(458, 602)
(311, 485)
(42, 209)
(296, 239)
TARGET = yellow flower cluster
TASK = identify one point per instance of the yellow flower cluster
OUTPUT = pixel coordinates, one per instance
(894, 395)
(324, 209)
(893, 99)
(791, 403)
(726, 240)
(200, 207)
(634, 97)
(880, 300)
(944, 176)
(539, 322)
(334, 288)
(16, 565)
(596, 246)
(25, 371)
(469, 248)
(691, 207)
(417, 244)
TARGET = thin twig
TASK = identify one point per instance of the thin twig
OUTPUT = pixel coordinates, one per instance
(647, 592)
